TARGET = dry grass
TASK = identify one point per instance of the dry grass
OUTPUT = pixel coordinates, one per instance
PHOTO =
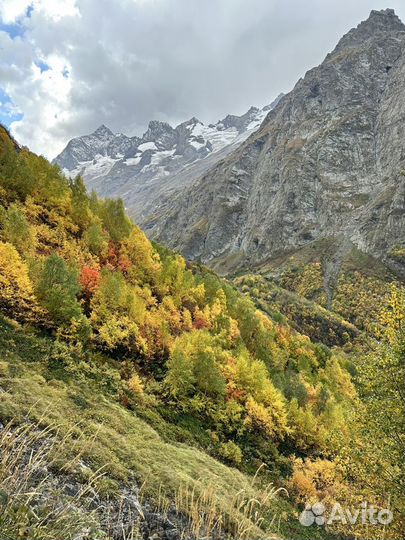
(31, 506)
(110, 438)
(248, 513)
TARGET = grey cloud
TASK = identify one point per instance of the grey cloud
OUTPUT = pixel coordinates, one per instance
(135, 60)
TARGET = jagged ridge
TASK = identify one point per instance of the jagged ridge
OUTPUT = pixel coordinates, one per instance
(326, 162)
(144, 170)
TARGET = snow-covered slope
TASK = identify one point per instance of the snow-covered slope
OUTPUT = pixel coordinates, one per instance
(145, 170)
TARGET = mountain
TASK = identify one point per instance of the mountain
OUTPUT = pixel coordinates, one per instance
(326, 163)
(145, 170)
(143, 396)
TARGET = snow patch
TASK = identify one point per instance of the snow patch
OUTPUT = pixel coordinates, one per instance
(133, 161)
(197, 145)
(147, 146)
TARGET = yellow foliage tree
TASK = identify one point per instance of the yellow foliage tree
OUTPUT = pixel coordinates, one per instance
(136, 386)
(145, 263)
(16, 292)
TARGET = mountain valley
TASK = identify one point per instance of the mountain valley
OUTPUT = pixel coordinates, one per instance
(202, 329)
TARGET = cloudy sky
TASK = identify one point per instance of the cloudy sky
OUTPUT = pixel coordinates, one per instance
(67, 66)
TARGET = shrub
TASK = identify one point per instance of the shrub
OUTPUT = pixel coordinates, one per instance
(115, 220)
(195, 365)
(230, 452)
(135, 385)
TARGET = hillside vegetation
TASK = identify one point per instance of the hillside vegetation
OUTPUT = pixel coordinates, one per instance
(165, 375)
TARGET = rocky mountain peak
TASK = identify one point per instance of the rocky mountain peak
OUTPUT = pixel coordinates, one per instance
(382, 13)
(239, 123)
(274, 103)
(379, 23)
(164, 157)
(161, 133)
(189, 123)
(156, 128)
(326, 163)
(103, 131)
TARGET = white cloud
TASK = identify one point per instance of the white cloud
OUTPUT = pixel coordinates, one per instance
(124, 62)
(57, 9)
(13, 10)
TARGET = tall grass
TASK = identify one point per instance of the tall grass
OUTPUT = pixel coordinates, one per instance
(247, 514)
(31, 505)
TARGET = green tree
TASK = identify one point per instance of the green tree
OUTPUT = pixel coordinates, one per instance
(141, 259)
(180, 377)
(51, 188)
(206, 369)
(96, 239)
(115, 220)
(378, 452)
(15, 177)
(57, 287)
(117, 312)
(81, 214)
(195, 364)
(16, 230)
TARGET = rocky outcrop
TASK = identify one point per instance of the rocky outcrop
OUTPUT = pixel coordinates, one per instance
(325, 163)
(71, 497)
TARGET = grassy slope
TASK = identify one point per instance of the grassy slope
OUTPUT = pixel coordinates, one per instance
(42, 382)
(305, 316)
(293, 286)
(108, 435)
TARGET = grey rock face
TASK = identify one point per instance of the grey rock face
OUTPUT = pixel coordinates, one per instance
(161, 133)
(326, 162)
(123, 515)
(102, 142)
(381, 224)
(239, 122)
(146, 171)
